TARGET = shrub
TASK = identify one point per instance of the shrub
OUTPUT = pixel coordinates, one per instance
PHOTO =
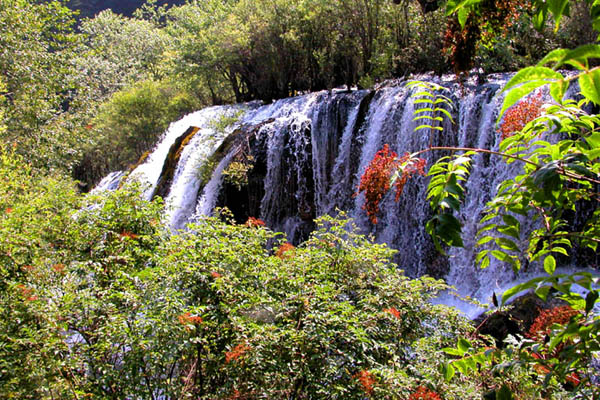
(313, 325)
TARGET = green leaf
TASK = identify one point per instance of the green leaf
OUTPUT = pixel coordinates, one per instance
(485, 263)
(463, 14)
(507, 244)
(447, 371)
(510, 220)
(539, 18)
(589, 83)
(558, 90)
(502, 256)
(590, 300)
(484, 240)
(550, 264)
(558, 8)
(530, 74)
(461, 366)
(581, 55)
(509, 231)
(517, 93)
(593, 140)
(504, 393)
(454, 5)
(463, 345)
(453, 352)
(542, 292)
(519, 288)
(555, 56)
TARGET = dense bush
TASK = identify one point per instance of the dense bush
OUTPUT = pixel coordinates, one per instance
(99, 301)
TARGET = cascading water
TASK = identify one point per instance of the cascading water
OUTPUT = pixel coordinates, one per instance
(308, 154)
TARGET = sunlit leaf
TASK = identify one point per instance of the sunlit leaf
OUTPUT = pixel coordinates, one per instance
(589, 83)
(550, 264)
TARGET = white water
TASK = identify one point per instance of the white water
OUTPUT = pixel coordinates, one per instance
(323, 133)
(149, 171)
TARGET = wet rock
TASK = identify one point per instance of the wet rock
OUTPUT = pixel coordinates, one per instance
(517, 320)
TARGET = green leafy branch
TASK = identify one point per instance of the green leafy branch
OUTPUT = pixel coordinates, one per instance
(431, 105)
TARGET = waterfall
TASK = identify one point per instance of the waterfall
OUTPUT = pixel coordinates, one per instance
(307, 155)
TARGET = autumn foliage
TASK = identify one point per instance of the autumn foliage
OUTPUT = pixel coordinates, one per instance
(254, 222)
(285, 251)
(519, 115)
(189, 319)
(236, 352)
(423, 393)
(393, 311)
(409, 166)
(541, 328)
(542, 324)
(366, 380)
(376, 180)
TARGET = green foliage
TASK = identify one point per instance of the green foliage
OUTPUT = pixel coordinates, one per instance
(36, 44)
(236, 172)
(214, 52)
(445, 192)
(558, 152)
(118, 51)
(129, 124)
(99, 301)
(225, 121)
(284, 315)
(431, 106)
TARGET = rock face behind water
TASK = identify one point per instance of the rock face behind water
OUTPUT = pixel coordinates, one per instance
(304, 158)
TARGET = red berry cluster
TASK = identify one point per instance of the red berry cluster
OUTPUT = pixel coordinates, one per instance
(520, 114)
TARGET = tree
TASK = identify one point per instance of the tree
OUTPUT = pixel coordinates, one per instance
(36, 46)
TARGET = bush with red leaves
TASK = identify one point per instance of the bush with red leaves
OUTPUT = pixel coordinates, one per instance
(367, 380)
(516, 117)
(423, 393)
(376, 180)
(541, 325)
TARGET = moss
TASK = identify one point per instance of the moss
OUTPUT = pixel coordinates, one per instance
(239, 138)
(140, 161)
(225, 121)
